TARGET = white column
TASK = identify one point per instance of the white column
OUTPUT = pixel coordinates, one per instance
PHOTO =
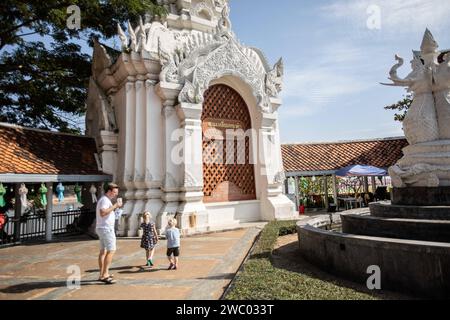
(325, 185)
(297, 194)
(170, 186)
(171, 182)
(138, 167)
(192, 213)
(49, 213)
(154, 150)
(274, 205)
(126, 109)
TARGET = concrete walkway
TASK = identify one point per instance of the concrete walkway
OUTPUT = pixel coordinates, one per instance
(208, 263)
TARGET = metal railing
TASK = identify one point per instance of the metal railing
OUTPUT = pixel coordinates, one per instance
(32, 227)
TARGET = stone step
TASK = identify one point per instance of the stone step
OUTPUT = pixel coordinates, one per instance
(421, 196)
(387, 210)
(408, 229)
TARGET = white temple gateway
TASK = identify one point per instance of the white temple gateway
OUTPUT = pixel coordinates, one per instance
(186, 120)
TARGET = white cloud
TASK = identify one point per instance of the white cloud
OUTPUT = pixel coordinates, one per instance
(331, 75)
(321, 85)
(397, 16)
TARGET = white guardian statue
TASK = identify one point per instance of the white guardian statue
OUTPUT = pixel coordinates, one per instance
(427, 124)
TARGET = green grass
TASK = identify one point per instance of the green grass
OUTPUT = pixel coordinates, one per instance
(260, 280)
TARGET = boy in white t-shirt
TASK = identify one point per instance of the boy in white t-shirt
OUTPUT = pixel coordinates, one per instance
(105, 215)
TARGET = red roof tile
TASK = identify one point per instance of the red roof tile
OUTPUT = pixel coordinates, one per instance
(31, 151)
(381, 153)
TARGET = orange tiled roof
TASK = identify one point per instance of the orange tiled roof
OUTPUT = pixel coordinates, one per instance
(381, 153)
(31, 151)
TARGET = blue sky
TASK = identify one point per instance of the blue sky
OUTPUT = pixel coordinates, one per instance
(334, 62)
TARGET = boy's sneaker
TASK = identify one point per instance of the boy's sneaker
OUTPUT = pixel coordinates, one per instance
(171, 266)
(150, 263)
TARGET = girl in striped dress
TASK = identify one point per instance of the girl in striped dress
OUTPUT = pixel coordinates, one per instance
(149, 237)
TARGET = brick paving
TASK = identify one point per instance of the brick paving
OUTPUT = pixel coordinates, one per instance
(208, 263)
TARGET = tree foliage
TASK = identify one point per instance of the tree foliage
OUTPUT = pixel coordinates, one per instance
(44, 72)
(401, 107)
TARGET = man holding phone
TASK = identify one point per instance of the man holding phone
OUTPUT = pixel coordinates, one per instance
(105, 215)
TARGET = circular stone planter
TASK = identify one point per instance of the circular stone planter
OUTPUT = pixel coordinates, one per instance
(414, 267)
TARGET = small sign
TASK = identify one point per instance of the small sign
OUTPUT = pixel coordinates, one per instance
(222, 124)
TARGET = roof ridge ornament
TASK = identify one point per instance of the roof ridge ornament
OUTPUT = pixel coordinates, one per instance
(274, 79)
(224, 25)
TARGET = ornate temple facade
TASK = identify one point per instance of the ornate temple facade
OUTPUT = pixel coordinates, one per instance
(186, 120)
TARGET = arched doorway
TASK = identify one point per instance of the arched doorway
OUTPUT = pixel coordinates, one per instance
(226, 176)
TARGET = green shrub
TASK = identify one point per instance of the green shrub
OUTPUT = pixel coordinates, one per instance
(284, 231)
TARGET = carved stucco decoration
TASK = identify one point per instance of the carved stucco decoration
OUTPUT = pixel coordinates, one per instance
(100, 112)
(224, 25)
(220, 3)
(194, 58)
(228, 59)
(101, 59)
(203, 7)
(190, 181)
(419, 175)
(190, 94)
(274, 79)
(279, 178)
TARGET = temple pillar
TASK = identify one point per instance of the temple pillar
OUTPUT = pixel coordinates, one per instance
(154, 149)
(126, 148)
(171, 185)
(274, 205)
(140, 147)
(192, 214)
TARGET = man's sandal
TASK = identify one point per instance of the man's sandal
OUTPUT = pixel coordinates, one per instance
(111, 276)
(109, 280)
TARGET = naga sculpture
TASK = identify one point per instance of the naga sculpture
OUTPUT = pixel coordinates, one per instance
(427, 122)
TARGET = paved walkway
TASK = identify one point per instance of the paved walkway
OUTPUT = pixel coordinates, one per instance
(208, 263)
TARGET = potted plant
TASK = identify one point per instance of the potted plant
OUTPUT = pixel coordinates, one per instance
(302, 208)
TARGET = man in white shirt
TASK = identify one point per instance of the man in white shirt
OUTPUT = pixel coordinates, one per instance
(105, 229)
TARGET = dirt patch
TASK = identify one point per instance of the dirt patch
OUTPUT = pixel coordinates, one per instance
(286, 255)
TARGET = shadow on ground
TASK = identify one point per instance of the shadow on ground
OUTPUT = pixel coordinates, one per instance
(57, 239)
(27, 287)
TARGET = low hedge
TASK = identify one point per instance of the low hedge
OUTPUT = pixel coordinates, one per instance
(260, 280)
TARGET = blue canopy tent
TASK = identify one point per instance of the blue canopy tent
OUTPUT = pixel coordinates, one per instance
(361, 171)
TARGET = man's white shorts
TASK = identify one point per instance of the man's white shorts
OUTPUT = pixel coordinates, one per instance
(107, 239)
